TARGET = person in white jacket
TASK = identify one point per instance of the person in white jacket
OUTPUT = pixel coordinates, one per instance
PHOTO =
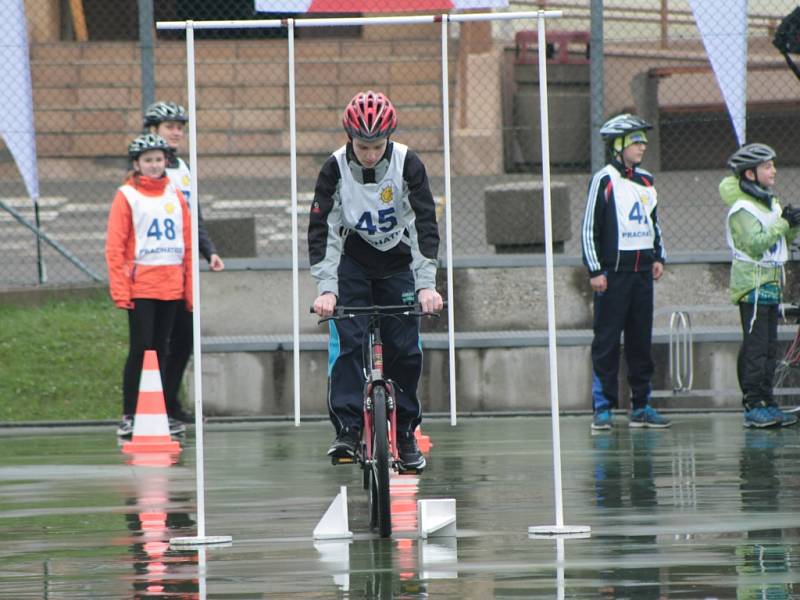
(168, 120)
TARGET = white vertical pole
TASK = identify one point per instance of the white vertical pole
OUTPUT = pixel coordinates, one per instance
(548, 246)
(560, 559)
(198, 359)
(448, 221)
(551, 301)
(201, 572)
(201, 537)
(295, 242)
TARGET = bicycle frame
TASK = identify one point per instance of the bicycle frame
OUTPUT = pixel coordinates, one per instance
(374, 376)
(378, 458)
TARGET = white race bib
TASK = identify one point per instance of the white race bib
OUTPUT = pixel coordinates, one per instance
(158, 226)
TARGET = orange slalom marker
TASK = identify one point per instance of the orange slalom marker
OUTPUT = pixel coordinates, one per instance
(423, 441)
(151, 427)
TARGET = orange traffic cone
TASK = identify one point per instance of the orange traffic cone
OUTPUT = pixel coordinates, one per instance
(423, 441)
(151, 427)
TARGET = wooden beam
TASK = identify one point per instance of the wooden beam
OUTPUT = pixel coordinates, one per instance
(79, 20)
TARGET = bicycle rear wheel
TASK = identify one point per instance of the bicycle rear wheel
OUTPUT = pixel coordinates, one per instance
(380, 514)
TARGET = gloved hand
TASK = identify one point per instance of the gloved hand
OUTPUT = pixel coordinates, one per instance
(792, 215)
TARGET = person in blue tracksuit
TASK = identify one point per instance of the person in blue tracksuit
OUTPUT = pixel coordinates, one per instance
(373, 239)
(624, 254)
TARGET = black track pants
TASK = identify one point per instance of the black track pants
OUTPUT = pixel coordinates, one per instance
(402, 355)
(626, 306)
(758, 354)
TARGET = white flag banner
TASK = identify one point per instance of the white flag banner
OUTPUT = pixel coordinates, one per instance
(16, 96)
(368, 6)
(723, 28)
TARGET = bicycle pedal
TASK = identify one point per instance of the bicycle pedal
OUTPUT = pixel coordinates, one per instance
(402, 471)
(342, 460)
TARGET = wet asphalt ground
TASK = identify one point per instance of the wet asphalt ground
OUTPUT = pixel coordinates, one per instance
(706, 509)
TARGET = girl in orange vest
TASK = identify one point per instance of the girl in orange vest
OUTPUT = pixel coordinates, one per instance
(148, 253)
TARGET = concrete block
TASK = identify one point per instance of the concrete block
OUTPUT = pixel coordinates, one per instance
(515, 216)
(234, 237)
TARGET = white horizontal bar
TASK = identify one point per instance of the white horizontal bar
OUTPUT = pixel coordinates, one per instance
(255, 24)
(507, 16)
(344, 21)
(349, 21)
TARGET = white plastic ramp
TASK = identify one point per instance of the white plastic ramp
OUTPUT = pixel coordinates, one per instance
(437, 517)
(334, 523)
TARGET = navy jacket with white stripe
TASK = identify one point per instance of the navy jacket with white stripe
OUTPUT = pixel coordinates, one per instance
(600, 231)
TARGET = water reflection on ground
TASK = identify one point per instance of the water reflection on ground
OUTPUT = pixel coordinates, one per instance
(704, 510)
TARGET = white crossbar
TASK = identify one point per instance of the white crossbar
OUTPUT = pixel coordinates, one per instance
(190, 26)
(350, 21)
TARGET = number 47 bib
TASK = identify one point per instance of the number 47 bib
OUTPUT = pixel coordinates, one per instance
(635, 205)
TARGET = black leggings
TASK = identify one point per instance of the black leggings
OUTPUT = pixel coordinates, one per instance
(149, 326)
(180, 349)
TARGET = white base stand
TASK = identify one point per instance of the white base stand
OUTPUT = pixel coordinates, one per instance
(556, 531)
(334, 523)
(335, 556)
(436, 518)
(209, 540)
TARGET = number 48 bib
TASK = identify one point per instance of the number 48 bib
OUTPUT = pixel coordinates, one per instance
(158, 224)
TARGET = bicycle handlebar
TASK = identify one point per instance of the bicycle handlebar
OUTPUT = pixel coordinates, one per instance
(402, 310)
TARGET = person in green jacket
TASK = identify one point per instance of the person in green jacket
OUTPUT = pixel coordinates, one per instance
(759, 232)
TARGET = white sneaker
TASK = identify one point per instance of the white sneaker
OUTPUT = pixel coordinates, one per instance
(125, 427)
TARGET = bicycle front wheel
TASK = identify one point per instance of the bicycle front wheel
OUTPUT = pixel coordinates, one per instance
(380, 513)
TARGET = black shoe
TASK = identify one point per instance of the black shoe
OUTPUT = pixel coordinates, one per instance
(411, 459)
(345, 444)
(181, 415)
(176, 427)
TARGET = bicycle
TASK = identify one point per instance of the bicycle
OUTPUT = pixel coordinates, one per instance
(377, 452)
(790, 362)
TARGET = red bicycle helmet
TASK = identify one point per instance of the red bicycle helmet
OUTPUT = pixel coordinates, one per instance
(369, 116)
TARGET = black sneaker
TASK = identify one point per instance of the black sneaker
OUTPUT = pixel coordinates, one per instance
(181, 415)
(176, 427)
(411, 459)
(345, 444)
(125, 427)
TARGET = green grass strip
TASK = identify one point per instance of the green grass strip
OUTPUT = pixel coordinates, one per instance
(62, 360)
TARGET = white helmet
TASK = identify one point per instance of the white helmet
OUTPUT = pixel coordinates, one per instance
(622, 125)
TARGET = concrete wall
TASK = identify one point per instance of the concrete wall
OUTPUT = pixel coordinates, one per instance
(488, 379)
(258, 302)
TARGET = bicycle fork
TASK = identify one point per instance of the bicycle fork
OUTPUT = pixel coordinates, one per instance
(376, 378)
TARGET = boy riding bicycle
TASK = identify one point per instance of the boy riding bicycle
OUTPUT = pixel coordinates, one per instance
(373, 239)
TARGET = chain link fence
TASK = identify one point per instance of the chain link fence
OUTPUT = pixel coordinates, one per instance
(90, 80)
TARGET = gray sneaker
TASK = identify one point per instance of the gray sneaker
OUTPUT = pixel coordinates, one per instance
(125, 427)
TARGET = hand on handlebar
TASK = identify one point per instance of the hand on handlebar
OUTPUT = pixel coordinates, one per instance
(325, 304)
(430, 300)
